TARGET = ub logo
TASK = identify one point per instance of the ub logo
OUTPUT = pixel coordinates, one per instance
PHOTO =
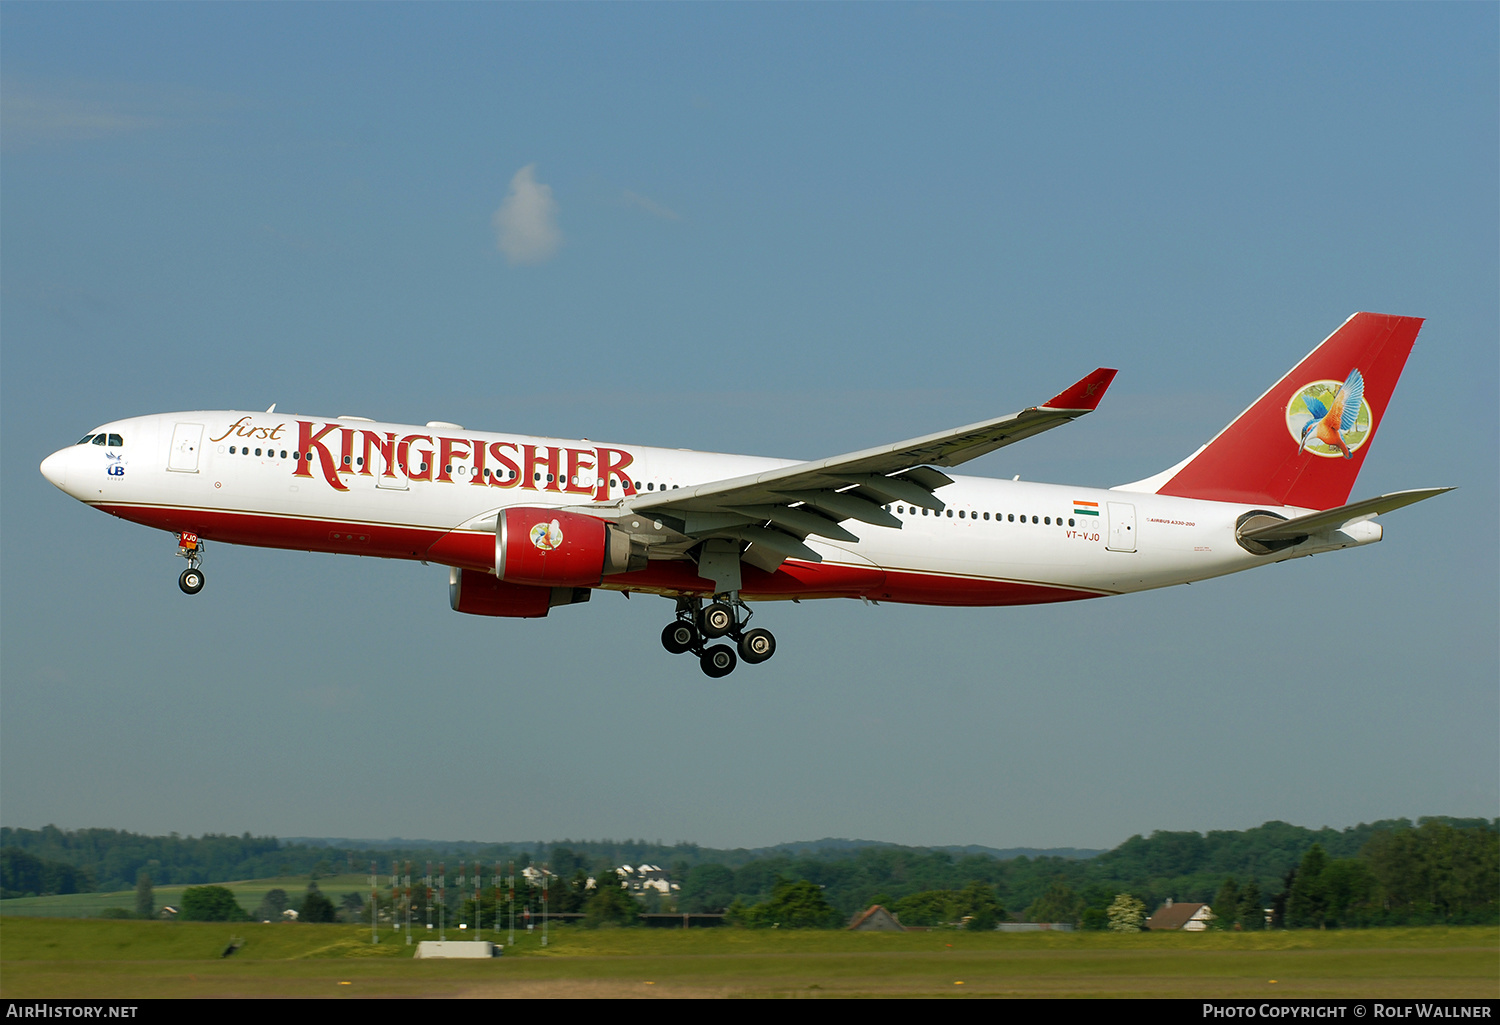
(547, 536)
(115, 464)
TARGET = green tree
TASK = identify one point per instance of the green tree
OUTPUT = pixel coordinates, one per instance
(316, 907)
(1252, 914)
(979, 907)
(272, 905)
(145, 898)
(1306, 904)
(611, 904)
(1349, 892)
(707, 888)
(211, 904)
(1126, 913)
(1226, 905)
(794, 905)
(1058, 904)
(930, 907)
(1437, 872)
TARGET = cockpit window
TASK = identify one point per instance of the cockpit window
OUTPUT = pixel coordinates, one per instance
(115, 441)
(86, 439)
(100, 439)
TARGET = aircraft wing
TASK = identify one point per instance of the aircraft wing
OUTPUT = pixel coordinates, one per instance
(776, 510)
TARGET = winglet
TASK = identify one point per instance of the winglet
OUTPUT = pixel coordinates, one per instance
(1085, 394)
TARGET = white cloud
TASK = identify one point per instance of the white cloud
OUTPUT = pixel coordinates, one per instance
(652, 207)
(54, 111)
(526, 224)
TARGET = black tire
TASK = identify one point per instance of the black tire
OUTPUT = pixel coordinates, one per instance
(679, 637)
(716, 620)
(756, 646)
(718, 661)
(191, 581)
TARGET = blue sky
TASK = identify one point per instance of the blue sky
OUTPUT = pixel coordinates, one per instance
(792, 230)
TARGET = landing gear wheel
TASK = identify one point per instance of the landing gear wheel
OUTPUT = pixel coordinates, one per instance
(716, 620)
(756, 646)
(718, 661)
(680, 637)
(191, 581)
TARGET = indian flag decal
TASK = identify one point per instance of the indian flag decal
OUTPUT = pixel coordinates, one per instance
(1085, 508)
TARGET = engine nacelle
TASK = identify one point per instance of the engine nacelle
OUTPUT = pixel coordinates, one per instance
(552, 548)
(480, 594)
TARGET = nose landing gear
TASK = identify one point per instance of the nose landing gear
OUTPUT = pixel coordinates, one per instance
(190, 548)
(721, 618)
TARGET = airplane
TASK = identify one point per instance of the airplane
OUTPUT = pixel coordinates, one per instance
(527, 524)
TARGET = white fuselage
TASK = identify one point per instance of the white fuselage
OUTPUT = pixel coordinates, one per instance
(404, 491)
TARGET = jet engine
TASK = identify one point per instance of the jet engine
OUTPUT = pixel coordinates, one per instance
(480, 594)
(553, 548)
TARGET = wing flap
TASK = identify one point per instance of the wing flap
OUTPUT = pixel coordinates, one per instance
(816, 497)
(797, 519)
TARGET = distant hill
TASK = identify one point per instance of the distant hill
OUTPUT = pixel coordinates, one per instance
(692, 853)
(1180, 865)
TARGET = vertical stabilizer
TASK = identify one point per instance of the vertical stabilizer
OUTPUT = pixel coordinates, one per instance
(1303, 442)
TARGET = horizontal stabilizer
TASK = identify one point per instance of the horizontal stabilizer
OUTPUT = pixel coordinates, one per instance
(1332, 519)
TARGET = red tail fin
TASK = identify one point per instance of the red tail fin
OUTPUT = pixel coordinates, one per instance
(1302, 443)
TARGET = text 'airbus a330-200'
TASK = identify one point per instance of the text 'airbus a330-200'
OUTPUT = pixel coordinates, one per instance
(527, 523)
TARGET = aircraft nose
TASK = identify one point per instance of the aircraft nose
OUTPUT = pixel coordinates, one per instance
(55, 468)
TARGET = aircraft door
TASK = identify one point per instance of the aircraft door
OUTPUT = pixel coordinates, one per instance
(1121, 527)
(187, 439)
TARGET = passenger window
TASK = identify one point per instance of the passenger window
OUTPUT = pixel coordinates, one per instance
(231, 450)
(650, 486)
(986, 515)
(926, 511)
(1070, 521)
(1011, 517)
(961, 514)
(346, 458)
(1033, 519)
(283, 453)
(1049, 521)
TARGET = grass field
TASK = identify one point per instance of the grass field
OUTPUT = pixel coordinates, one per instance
(55, 957)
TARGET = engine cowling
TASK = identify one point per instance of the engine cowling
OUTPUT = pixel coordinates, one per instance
(480, 594)
(553, 548)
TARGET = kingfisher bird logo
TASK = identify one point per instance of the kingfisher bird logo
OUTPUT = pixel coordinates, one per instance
(1331, 419)
(547, 536)
(114, 464)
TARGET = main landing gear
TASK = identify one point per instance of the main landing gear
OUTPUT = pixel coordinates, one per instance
(190, 548)
(720, 618)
